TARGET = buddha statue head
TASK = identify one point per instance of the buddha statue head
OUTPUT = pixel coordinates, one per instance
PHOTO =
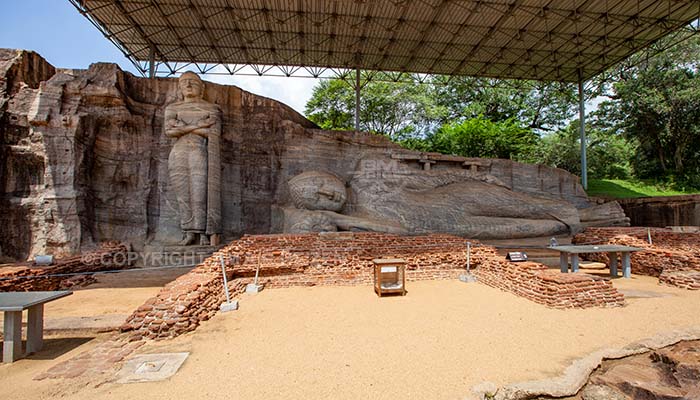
(191, 86)
(314, 190)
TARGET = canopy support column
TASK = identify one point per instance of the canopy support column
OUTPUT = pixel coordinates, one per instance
(582, 128)
(152, 63)
(357, 99)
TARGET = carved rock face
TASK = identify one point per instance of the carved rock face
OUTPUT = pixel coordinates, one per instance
(315, 190)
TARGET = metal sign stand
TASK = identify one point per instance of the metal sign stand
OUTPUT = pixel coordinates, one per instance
(255, 287)
(228, 305)
(468, 277)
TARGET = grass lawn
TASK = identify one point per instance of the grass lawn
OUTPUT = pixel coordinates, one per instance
(621, 189)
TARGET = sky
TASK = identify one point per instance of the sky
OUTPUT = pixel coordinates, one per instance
(66, 39)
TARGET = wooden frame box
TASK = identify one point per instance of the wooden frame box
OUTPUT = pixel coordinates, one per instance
(389, 276)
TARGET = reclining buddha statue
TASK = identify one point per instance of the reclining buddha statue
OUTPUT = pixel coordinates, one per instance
(408, 201)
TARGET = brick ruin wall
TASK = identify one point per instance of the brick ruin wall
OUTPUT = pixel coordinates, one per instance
(538, 283)
(346, 259)
(64, 273)
(673, 257)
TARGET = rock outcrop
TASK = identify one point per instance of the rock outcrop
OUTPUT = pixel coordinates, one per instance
(669, 373)
(663, 211)
(665, 366)
(84, 160)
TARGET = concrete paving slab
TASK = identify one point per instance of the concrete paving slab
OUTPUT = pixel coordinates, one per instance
(151, 367)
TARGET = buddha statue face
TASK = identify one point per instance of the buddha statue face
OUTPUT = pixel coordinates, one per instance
(191, 86)
(315, 190)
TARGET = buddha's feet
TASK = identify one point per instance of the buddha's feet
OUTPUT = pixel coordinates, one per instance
(204, 240)
(190, 238)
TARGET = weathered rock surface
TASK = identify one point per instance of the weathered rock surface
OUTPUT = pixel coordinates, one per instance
(666, 374)
(663, 211)
(84, 157)
(664, 367)
(84, 160)
(600, 392)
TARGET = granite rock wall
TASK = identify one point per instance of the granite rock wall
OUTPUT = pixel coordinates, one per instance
(84, 159)
(663, 211)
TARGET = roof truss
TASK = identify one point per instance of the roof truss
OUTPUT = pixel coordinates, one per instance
(551, 40)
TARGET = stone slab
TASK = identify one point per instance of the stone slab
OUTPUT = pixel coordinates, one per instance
(18, 301)
(151, 367)
(594, 248)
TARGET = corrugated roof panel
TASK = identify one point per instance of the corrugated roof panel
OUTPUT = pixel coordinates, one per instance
(487, 37)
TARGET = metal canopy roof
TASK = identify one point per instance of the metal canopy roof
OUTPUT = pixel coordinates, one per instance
(562, 40)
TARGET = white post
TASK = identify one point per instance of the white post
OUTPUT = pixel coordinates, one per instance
(582, 128)
(257, 273)
(255, 287)
(223, 272)
(357, 99)
(468, 277)
(152, 63)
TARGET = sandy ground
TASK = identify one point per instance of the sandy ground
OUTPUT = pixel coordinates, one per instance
(105, 304)
(345, 343)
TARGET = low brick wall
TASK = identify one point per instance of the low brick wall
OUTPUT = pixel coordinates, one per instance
(64, 273)
(682, 279)
(181, 305)
(545, 286)
(672, 255)
(346, 259)
(289, 260)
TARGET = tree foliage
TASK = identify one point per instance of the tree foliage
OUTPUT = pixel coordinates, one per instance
(405, 110)
(540, 106)
(655, 104)
(399, 110)
(649, 127)
(608, 155)
(481, 137)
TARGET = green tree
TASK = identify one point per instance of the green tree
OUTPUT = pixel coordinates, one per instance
(655, 103)
(330, 105)
(481, 137)
(399, 110)
(540, 106)
(608, 154)
(405, 110)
